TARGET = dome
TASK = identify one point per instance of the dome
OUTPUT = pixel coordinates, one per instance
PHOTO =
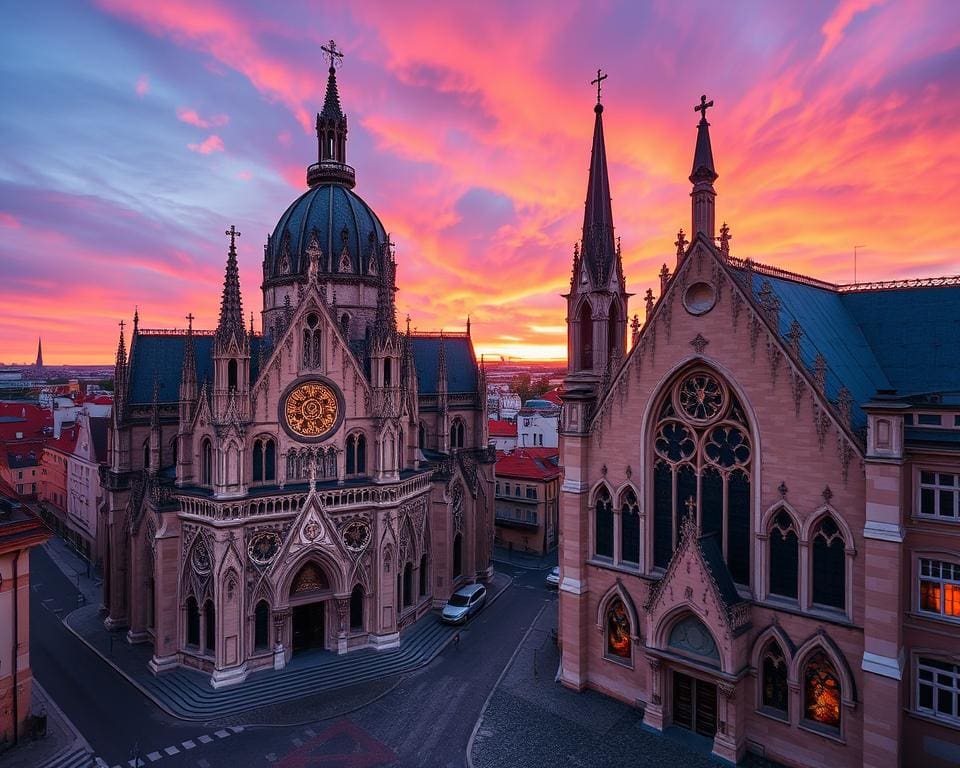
(338, 219)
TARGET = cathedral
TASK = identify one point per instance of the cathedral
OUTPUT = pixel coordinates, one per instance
(321, 484)
(760, 512)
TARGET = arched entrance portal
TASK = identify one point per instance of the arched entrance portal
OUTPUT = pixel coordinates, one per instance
(309, 594)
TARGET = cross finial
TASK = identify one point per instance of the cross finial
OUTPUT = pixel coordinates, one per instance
(335, 56)
(234, 234)
(691, 506)
(189, 319)
(703, 106)
(600, 78)
(121, 324)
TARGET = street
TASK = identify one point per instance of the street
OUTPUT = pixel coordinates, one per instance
(425, 720)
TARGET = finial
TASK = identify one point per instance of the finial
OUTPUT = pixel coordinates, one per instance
(648, 301)
(335, 56)
(136, 317)
(251, 323)
(598, 82)
(635, 328)
(234, 234)
(681, 243)
(702, 107)
(408, 324)
(189, 318)
(468, 325)
(121, 324)
(725, 238)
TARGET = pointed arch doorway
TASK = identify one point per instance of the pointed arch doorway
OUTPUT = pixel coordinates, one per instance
(310, 594)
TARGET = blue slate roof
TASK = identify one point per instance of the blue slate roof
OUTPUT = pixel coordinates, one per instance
(460, 361)
(161, 355)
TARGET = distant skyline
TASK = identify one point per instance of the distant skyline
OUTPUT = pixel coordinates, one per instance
(135, 133)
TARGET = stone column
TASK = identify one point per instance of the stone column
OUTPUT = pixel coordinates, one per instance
(342, 604)
(281, 621)
(116, 570)
(167, 611)
(730, 741)
(653, 715)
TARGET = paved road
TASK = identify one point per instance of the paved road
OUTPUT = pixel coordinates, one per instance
(425, 721)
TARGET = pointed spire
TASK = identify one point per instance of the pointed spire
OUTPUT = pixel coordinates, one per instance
(136, 320)
(702, 176)
(386, 317)
(598, 244)
(442, 366)
(231, 307)
(120, 375)
(39, 353)
(188, 377)
(331, 166)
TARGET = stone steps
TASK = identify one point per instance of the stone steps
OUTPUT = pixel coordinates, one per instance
(76, 758)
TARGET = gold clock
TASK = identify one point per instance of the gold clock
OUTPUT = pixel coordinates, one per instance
(311, 410)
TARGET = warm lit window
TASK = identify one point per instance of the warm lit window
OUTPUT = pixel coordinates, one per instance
(821, 692)
(940, 587)
(618, 630)
(938, 689)
(940, 495)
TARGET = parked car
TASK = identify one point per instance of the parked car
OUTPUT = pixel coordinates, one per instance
(553, 578)
(463, 603)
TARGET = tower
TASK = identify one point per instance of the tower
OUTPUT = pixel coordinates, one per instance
(231, 380)
(39, 353)
(597, 302)
(702, 176)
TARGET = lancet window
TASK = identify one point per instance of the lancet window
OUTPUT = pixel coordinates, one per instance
(312, 342)
(702, 465)
(457, 434)
(784, 555)
(356, 454)
(630, 529)
(618, 630)
(821, 692)
(264, 460)
(774, 679)
(829, 566)
(603, 528)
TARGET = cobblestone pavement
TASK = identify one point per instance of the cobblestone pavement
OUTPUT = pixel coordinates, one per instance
(531, 720)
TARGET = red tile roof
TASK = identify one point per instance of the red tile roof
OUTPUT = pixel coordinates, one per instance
(529, 463)
(553, 396)
(23, 417)
(67, 442)
(502, 428)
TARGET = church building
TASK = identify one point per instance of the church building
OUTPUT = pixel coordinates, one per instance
(760, 513)
(321, 484)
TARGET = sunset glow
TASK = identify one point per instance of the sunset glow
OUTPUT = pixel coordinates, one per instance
(135, 132)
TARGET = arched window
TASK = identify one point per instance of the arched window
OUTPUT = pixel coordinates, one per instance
(351, 455)
(193, 622)
(210, 636)
(356, 608)
(422, 436)
(270, 461)
(356, 459)
(257, 462)
(613, 329)
(206, 463)
(701, 440)
(457, 434)
(312, 347)
(408, 585)
(603, 527)
(457, 555)
(774, 678)
(630, 529)
(829, 573)
(586, 337)
(784, 555)
(401, 452)
(361, 454)
(146, 454)
(261, 626)
(423, 576)
(821, 691)
(387, 372)
(232, 374)
(618, 630)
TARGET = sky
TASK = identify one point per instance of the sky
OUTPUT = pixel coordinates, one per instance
(135, 132)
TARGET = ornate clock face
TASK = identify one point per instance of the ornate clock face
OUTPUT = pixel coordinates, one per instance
(311, 409)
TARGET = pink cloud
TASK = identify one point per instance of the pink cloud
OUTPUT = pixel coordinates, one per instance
(192, 117)
(834, 27)
(9, 220)
(142, 86)
(212, 143)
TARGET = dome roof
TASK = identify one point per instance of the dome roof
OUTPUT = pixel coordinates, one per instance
(346, 230)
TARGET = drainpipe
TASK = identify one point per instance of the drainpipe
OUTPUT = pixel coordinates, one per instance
(15, 645)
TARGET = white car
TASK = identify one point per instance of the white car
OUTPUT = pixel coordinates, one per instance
(553, 578)
(463, 603)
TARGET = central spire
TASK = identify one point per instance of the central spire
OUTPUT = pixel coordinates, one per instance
(231, 307)
(598, 247)
(702, 176)
(331, 166)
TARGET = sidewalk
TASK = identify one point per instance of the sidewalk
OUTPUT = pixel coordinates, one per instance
(569, 728)
(531, 562)
(61, 747)
(79, 571)
(186, 694)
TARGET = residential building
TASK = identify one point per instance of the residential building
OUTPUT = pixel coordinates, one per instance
(538, 424)
(527, 499)
(503, 434)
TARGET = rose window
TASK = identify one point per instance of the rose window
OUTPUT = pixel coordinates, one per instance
(701, 397)
(675, 442)
(727, 447)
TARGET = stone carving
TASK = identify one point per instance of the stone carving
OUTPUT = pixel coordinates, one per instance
(356, 535)
(263, 547)
(699, 343)
(200, 558)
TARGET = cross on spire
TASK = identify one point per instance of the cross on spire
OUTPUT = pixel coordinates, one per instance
(703, 106)
(598, 82)
(335, 56)
(189, 318)
(234, 234)
(121, 324)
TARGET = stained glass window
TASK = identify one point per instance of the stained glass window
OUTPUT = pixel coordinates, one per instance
(618, 629)
(821, 691)
(774, 678)
(829, 576)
